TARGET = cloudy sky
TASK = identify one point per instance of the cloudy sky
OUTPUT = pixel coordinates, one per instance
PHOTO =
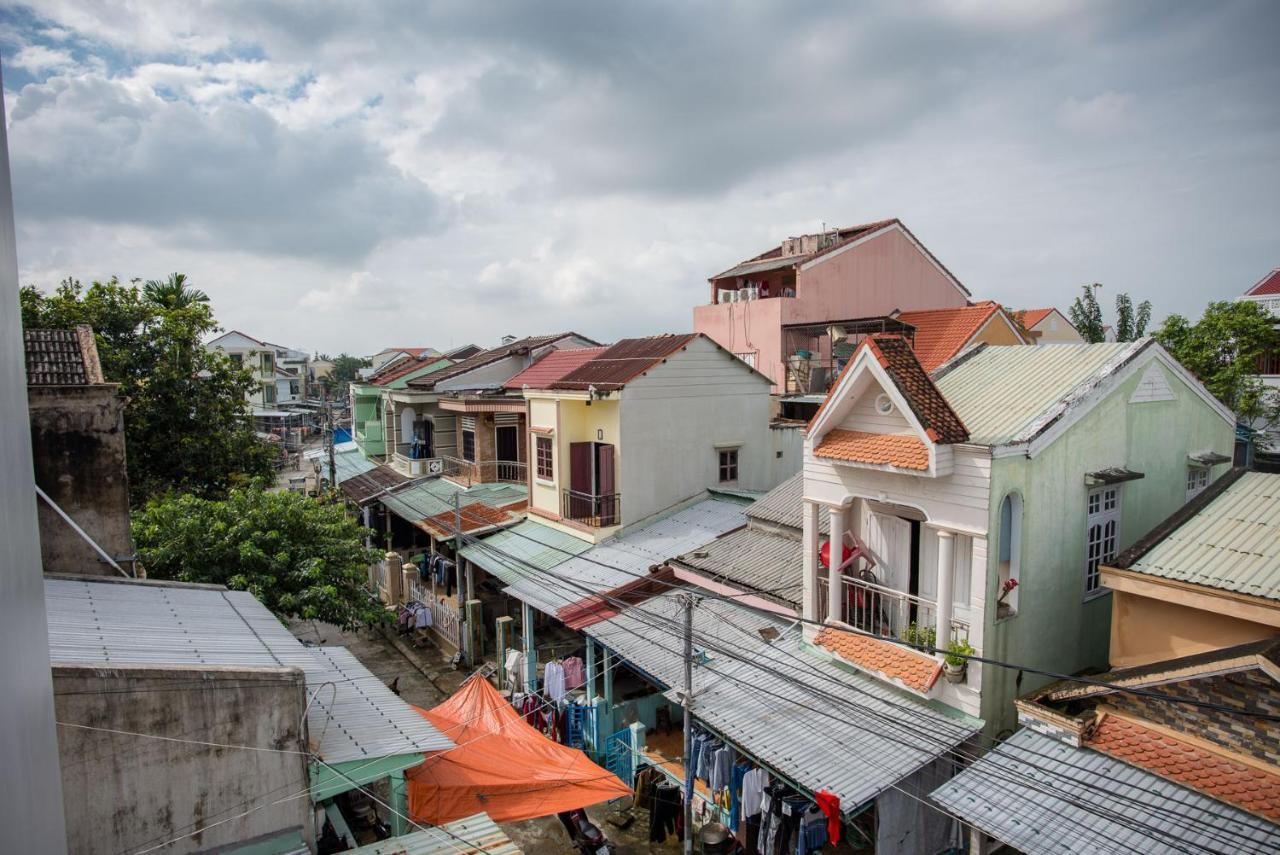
(434, 173)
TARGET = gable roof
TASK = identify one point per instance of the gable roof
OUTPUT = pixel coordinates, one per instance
(487, 357)
(933, 411)
(402, 367)
(1228, 537)
(1005, 393)
(1031, 317)
(552, 367)
(62, 357)
(256, 341)
(407, 351)
(1266, 286)
(773, 259)
(942, 333)
(620, 363)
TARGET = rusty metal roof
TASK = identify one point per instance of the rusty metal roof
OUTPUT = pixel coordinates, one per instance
(623, 362)
(360, 488)
(485, 357)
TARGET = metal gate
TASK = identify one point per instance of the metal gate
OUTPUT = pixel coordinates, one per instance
(618, 756)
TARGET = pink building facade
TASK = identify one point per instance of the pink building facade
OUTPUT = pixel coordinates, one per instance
(861, 273)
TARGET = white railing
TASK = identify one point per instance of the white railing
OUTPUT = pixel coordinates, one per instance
(885, 611)
(444, 617)
(404, 461)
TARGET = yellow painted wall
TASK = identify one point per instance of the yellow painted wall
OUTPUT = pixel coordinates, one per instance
(1144, 630)
(997, 331)
(576, 422)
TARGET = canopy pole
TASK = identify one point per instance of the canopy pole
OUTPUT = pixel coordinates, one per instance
(687, 701)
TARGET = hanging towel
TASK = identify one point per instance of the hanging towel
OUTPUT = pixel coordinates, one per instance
(515, 666)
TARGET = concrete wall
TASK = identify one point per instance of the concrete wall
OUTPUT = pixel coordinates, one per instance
(31, 809)
(123, 793)
(1056, 329)
(870, 279)
(77, 438)
(1145, 630)
(1055, 627)
(675, 419)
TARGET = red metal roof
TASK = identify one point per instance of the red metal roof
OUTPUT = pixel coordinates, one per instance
(1269, 285)
(485, 357)
(623, 362)
(942, 333)
(552, 367)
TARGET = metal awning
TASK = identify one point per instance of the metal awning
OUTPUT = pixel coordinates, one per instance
(763, 266)
(1207, 458)
(1041, 795)
(1114, 475)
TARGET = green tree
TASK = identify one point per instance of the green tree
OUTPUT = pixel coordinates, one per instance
(187, 423)
(1086, 316)
(173, 293)
(346, 368)
(1223, 349)
(301, 557)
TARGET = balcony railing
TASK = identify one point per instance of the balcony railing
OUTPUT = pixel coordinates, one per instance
(595, 511)
(410, 458)
(884, 611)
(484, 471)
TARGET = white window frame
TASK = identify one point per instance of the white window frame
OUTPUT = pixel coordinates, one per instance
(1101, 535)
(1197, 480)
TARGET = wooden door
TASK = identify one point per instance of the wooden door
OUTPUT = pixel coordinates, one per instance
(606, 484)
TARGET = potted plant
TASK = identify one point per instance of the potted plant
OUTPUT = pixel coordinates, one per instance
(924, 637)
(956, 661)
(1003, 609)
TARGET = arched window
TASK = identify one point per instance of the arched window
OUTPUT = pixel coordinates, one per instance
(1009, 556)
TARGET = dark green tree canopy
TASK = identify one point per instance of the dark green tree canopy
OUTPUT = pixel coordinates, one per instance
(345, 370)
(1223, 349)
(187, 425)
(301, 557)
(1086, 316)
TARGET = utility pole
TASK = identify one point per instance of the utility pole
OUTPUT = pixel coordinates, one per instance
(687, 702)
(464, 588)
(329, 440)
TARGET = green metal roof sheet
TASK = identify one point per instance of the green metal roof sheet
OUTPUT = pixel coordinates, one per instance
(402, 382)
(436, 496)
(348, 464)
(540, 545)
(1232, 543)
(1001, 393)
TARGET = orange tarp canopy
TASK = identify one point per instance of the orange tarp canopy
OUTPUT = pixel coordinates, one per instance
(501, 766)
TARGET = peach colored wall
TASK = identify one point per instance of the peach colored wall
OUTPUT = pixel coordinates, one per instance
(872, 279)
(1145, 630)
(998, 331)
(754, 325)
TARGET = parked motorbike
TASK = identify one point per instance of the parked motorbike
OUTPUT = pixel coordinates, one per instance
(584, 835)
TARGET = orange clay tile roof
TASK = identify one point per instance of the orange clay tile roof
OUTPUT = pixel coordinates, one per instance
(1031, 317)
(942, 333)
(884, 449)
(1200, 769)
(914, 670)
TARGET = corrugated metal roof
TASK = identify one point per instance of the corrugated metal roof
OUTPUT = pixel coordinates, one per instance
(348, 464)
(623, 362)
(552, 367)
(620, 560)
(354, 715)
(763, 266)
(366, 485)
(1083, 801)
(434, 497)
(1000, 392)
(486, 357)
(783, 505)
(475, 834)
(1232, 543)
(881, 737)
(753, 559)
(529, 541)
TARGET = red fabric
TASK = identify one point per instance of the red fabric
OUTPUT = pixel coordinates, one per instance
(829, 804)
(501, 766)
(824, 554)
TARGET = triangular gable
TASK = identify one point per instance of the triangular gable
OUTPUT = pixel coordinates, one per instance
(234, 338)
(885, 412)
(1153, 386)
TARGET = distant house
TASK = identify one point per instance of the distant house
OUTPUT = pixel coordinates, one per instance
(939, 334)
(930, 482)
(388, 355)
(1178, 747)
(77, 440)
(1049, 326)
(785, 310)
(282, 374)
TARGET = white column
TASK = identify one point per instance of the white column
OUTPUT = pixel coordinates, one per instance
(809, 563)
(835, 586)
(945, 586)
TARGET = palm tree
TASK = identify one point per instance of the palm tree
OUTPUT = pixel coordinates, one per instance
(173, 293)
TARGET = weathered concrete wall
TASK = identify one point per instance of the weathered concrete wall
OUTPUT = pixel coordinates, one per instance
(77, 439)
(123, 793)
